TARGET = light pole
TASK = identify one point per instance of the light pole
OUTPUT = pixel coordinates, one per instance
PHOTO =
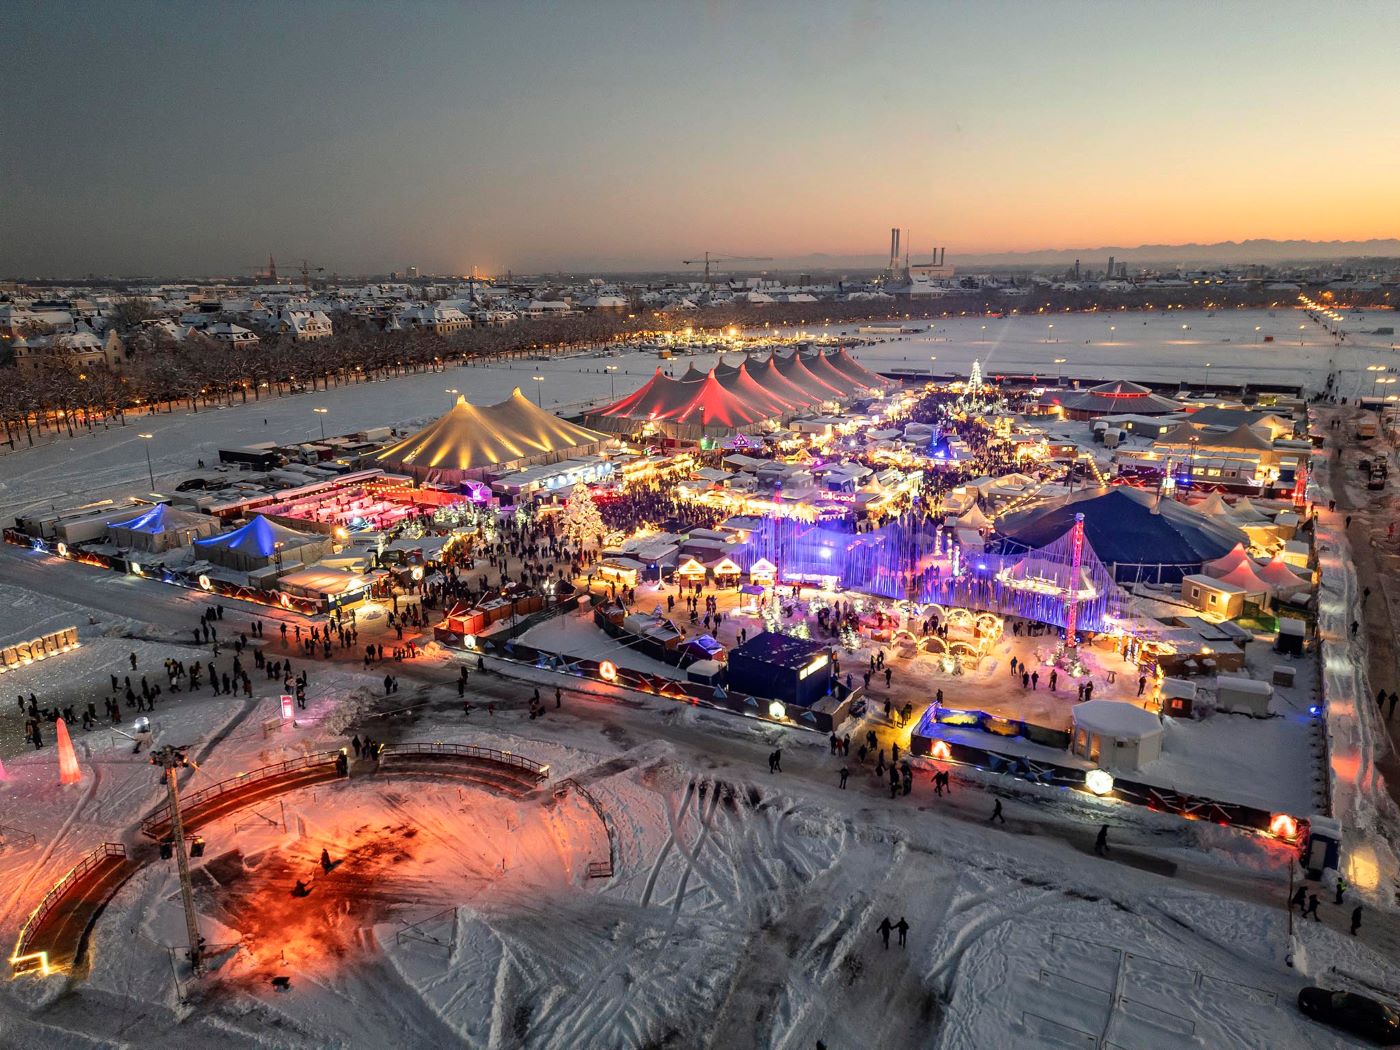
(539, 396)
(1049, 331)
(321, 412)
(1207, 382)
(612, 376)
(932, 358)
(150, 471)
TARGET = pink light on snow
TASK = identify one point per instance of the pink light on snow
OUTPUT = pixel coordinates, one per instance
(68, 771)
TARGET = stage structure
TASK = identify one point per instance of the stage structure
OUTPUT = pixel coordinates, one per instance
(913, 559)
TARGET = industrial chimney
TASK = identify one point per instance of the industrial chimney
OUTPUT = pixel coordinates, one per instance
(894, 247)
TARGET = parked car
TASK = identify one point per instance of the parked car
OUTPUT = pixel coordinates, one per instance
(1356, 1014)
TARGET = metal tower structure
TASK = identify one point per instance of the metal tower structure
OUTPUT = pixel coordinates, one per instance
(1072, 591)
(172, 759)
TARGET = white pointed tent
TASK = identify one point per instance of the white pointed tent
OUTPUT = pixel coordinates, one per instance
(973, 518)
(1246, 511)
(1244, 577)
(1282, 579)
(1227, 562)
(1215, 506)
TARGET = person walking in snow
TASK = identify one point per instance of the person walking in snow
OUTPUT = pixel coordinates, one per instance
(996, 813)
(1341, 888)
(326, 864)
(885, 927)
(903, 927)
(1101, 843)
(844, 774)
(1300, 899)
(1355, 919)
(1312, 907)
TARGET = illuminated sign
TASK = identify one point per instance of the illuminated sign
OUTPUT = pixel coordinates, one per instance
(815, 666)
(24, 653)
(286, 708)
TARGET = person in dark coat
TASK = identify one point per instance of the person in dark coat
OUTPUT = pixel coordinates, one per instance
(903, 927)
(1300, 899)
(1101, 842)
(1355, 919)
(326, 864)
(885, 927)
(844, 774)
(1312, 907)
(996, 813)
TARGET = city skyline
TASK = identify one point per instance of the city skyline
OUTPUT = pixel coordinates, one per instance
(618, 137)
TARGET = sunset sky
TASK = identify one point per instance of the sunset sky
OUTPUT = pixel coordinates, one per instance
(196, 138)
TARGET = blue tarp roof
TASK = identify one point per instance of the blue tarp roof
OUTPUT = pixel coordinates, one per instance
(259, 538)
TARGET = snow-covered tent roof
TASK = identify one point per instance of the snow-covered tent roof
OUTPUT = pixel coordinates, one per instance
(1246, 511)
(469, 437)
(1215, 506)
(1114, 718)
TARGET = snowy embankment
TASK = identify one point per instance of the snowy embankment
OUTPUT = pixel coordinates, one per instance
(1360, 799)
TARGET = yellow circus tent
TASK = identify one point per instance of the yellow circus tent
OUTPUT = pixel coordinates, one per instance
(472, 441)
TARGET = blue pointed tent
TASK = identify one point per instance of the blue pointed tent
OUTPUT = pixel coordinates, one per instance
(260, 543)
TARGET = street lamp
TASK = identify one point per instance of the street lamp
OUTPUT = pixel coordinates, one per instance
(539, 397)
(322, 413)
(612, 377)
(150, 471)
(1207, 374)
(931, 358)
(1049, 331)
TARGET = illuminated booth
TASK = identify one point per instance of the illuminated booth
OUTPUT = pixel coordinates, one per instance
(793, 671)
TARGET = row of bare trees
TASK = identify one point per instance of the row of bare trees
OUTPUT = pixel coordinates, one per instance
(161, 376)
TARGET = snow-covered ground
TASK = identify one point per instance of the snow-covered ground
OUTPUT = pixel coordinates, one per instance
(745, 905)
(111, 463)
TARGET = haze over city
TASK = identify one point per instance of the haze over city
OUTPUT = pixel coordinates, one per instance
(699, 526)
(197, 138)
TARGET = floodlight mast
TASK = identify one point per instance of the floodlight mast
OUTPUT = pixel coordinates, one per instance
(172, 759)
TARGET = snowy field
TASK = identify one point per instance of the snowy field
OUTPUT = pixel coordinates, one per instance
(745, 905)
(112, 463)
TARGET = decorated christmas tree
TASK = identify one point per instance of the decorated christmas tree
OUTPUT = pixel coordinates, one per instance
(583, 525)
(974, 379)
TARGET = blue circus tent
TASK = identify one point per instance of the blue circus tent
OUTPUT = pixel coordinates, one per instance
(1141, 535)
(160, 529)
(260, 543)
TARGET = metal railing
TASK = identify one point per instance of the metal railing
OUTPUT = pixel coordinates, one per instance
(191, 802)
(506, 758)
(597, 869)
(21, 959)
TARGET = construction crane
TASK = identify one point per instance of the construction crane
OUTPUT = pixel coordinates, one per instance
(714, 257)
